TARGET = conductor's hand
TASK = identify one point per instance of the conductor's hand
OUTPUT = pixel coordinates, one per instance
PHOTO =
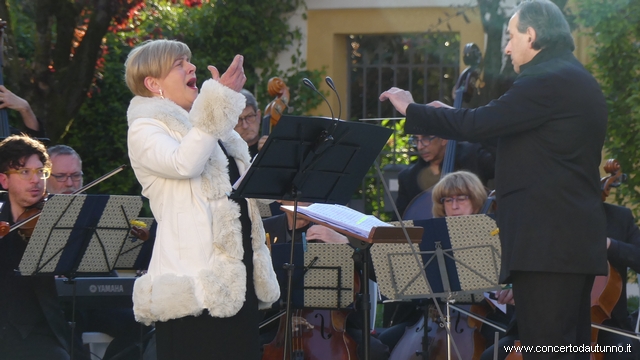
(324, 234)
(234, 77)
(399, 98)
(505, 296)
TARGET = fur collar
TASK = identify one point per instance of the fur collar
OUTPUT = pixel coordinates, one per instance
(215, 177)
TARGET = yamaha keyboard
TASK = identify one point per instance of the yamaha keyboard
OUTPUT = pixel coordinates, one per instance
(97, 292)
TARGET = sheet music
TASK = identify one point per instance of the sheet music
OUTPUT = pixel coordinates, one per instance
(501, 307)
(341, 217)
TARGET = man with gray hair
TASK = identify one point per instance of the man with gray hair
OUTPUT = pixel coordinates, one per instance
(249, 123)
(550, 127)
(66, 170)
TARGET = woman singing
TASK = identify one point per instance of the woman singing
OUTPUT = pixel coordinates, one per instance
(210, 269)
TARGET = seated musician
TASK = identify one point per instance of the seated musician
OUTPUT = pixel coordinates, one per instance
(279, 228)
(119, 323)
(425, 173)
(249, 122)
(458, 193)
(32, 126)
(623, 251)
(32, 324)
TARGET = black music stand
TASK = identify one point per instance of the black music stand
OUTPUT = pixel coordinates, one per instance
(312, 159)
(79, 234)
(460, 260)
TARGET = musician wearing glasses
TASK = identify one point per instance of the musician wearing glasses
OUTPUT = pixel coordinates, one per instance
(426, 172)
(66, 170)
(249, 123)
(32, 325)
(118, 322)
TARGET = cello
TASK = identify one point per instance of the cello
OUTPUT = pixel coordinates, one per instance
(420, 206)
(274, 110)
(606, 289)
(465, 331)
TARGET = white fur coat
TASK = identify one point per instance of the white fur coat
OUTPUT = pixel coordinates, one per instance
(197, 257)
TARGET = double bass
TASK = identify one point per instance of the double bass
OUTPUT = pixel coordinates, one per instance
(420, 206)
(4, 119)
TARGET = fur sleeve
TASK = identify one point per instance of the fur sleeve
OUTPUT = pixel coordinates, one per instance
(216, 109)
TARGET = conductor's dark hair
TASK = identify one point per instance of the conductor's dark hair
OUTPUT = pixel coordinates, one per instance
(546, 18)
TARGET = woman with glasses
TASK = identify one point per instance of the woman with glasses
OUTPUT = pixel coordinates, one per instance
(210, 268)
(458, 193)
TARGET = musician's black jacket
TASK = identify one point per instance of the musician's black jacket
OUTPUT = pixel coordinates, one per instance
(27, 303)
(474, 157)
(550, 127)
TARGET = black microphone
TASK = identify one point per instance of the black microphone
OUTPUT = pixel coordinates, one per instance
(325, 139)
(333, 87)
(310, 85)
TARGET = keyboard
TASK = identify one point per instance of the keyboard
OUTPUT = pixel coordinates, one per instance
(97, 292)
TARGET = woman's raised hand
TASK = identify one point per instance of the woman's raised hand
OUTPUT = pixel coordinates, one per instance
(234, 77)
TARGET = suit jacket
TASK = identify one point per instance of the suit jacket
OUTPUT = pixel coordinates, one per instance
(624, 252)
(550, 128)
(27, 303)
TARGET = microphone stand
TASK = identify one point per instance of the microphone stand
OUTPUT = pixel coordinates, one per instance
(288, 343)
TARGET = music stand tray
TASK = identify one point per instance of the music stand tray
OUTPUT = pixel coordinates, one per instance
(80, 234)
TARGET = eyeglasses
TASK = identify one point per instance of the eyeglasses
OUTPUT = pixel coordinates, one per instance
(63, 177)
(27, 173)
(458, 198)
(424, 140)
(250, 119)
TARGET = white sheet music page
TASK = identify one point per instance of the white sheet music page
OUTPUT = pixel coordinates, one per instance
(342, 217)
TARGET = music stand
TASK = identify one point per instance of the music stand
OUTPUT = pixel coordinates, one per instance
(460, 260)
(362, 245)
(79, 234)
(312, 159)
(325, 282)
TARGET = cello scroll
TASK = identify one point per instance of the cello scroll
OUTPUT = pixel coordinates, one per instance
(274, 110)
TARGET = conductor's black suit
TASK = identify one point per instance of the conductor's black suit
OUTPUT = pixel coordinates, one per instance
(550, 127)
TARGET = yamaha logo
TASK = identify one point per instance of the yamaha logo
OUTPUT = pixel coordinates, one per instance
(106, 288)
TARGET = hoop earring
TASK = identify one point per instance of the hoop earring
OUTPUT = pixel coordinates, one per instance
(161, 94)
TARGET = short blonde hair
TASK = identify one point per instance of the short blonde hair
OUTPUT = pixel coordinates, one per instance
(458, 183)
(152, 58)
